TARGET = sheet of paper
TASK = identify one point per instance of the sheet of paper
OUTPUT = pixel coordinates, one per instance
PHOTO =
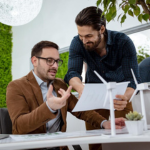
(93, 96)
(60, 135)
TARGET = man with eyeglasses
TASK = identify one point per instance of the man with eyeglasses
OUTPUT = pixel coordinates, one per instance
(38, 102)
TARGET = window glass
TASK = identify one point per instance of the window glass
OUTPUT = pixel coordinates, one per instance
(141, 40)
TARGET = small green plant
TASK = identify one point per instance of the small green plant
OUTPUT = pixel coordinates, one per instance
(134, 116)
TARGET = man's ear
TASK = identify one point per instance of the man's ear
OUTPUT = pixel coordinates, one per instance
(34, 61)
(102, 29)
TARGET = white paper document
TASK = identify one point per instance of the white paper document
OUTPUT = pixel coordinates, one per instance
(64, 135)
(93, 96)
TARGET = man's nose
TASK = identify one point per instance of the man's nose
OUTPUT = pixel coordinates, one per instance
(55, 64)
(84, 40)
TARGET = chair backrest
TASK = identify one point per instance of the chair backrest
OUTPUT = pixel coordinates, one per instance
(5, 122)
(144, 70)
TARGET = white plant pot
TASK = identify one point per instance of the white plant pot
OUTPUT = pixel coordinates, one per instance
(135, 127)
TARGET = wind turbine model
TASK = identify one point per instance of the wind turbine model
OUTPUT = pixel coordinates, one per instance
(141, 87)
(110, 86)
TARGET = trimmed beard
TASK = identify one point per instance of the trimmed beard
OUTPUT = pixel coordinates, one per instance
(94, 44)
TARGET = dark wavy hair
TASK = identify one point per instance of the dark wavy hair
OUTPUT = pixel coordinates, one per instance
(91, 16)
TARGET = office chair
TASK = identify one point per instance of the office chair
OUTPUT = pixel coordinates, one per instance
(144, 70)
(5, 122)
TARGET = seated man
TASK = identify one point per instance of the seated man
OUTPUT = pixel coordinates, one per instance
(144, 69)
(38, 102)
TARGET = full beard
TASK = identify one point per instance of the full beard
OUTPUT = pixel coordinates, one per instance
(94, 44)
(45, 75)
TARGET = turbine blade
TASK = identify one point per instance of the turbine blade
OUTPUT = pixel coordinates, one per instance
(133, 95)
(134, 76)
(100, 77)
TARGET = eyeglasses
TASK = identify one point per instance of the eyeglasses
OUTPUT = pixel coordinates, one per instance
(51, 61)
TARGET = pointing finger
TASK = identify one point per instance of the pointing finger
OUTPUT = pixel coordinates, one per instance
(69, 89)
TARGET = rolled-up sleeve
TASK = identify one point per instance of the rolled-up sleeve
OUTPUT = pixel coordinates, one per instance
(75, 62)
(129, 61)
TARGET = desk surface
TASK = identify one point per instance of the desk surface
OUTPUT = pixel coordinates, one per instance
(11, 144)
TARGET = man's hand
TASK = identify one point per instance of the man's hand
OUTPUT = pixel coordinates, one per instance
(56, 103)
(120, 104)
(119, 123)
(77, 85)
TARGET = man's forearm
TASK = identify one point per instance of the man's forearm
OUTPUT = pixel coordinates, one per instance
(129, 92)
(76, 84)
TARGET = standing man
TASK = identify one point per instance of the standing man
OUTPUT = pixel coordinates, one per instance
(112, 54)
(38, 102)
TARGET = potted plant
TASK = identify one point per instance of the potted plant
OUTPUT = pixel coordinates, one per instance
(134, 123)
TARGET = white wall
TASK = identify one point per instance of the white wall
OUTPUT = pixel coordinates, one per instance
(55, 22)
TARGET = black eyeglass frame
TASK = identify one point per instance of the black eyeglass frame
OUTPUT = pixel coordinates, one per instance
(57, 61)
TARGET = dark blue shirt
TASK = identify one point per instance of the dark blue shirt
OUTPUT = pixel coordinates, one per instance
(114, 66)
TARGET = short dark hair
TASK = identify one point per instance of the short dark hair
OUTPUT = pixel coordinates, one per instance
(37, 49)
(91, 16)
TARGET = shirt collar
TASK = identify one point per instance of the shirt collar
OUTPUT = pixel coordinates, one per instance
(109, 40)
(39, 81)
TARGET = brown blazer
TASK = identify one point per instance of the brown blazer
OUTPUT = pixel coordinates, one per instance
(28, 112)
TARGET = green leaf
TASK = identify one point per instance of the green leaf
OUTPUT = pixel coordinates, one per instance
(112, 9)
(126, 8)
(106, 3)
(147, 1)
(113, 2)
(132, 6)
(140, 17)
(145, 17)
(130, 13)
(123, 19)
(113, 15)
(98, 2)
(137, 10)
(108, 17)
(111, 12)
(132, 1)
(118, 17)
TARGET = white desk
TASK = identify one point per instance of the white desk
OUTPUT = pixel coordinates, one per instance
(9, 144)
(115, 143)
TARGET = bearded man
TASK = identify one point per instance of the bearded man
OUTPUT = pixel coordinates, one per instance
(112, 54)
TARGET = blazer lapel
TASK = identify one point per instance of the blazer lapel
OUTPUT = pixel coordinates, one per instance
(35, 87)
(56, 87)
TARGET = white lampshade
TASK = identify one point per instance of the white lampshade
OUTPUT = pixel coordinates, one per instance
(19, 12)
